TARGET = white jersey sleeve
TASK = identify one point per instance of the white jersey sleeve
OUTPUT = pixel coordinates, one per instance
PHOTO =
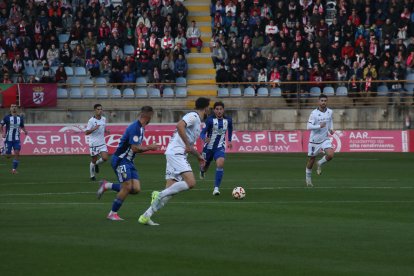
(97, 138)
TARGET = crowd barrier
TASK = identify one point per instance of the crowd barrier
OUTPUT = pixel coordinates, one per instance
(70, 139)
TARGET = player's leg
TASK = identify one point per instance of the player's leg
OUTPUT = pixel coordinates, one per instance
(329, 154)
(309, 166)
(208, 156)
(94, 158)
(128, 177)
(219, 156)
(16, 149)
(103, 153)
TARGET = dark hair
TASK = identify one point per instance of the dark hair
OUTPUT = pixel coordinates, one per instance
(96, 106)
(323, 96)
(218, 104)
(147, 109)
(202, 103)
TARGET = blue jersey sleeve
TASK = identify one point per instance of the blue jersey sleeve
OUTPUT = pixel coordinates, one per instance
(3, 122)
(21, 122)
(230, 129)
(135, 135)
(206, 131)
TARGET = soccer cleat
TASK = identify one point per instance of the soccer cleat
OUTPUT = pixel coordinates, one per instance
(93, 178)
(154, 195)
(319, 170)
(309, 182)
(96, 169)
(114, 216)
(101, 189)
(202, 175)
(147, 221)
(216, 191)
(14, 171)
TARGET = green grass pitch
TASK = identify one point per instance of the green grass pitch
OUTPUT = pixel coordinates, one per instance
(357, 220)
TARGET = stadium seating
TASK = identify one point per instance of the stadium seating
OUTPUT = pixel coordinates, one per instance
(141, 92)
(63, 38)
(102, 93)
(168, 92)
(75, 93)
(154, 92)
(328, 91)
(116, 93)
(382, 90)
(262, 92)
(73, 81)
(341, 91)
(409, 85)
(100, 82)
(315, 91)
(62, 93)
(80, 71)
(128, 93)
(141, 82)
(235, 92)
(223, 92)
(181, 92)
(129, 50)
(276, 92)
(87, 82)
(88, 93)
(181, 81)
(69, 71)
(30, 71)
(249, 92)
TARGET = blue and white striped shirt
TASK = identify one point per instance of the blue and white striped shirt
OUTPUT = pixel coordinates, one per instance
(133, 135)
(13, 125)
(216, 129)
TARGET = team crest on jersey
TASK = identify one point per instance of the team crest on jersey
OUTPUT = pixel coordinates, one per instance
(135, 138)
(38, 97)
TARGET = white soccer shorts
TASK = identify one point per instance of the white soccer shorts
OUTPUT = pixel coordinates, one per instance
(315, 149)
(176, 165)
(97, 150)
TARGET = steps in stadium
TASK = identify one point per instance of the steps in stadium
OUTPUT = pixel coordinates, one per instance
(201, 73)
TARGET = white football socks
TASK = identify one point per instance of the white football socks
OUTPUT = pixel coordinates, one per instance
(100, 161)
(92, 169)
(322, 161)
(175, 188)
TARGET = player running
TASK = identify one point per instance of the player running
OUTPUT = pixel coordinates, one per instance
(14, 123)
(179, 174)
(123, 162)
(214, 136)
(96, 130)
(321, 124)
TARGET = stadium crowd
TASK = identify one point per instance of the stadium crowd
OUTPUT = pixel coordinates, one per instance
(351, 42)
(119, 40)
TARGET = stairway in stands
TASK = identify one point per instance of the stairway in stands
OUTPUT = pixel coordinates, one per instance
(201, 78)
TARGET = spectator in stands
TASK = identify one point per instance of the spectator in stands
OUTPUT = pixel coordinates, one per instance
(6, 78)
(155, 78)
(219, 54)
(67, 21)
(167, 75)
(194, 37)
(181, 66)
(127, 75)
(78, 55)
(250, 74)
(167, 42)
(93, 66)
(76, 34)
(117, 51)
(46, 74)
(269, 48)
(20, 79)
(17, 65)
(235, 75)
(53, 55)
(385, 72)
(60, 75)
(222, 75)
(105, 66)
(65, 55)
(289, 89)
(89, 41)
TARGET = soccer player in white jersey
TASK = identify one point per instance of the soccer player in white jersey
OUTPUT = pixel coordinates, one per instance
(214, 136)
(179, 175)
(14, 123)
(320, 124)
(96, 130)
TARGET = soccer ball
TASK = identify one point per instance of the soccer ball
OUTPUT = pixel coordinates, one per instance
(238, 193)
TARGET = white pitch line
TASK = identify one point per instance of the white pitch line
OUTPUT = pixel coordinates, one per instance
(207, 189)
(246, 201)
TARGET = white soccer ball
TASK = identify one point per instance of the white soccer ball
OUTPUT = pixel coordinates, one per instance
(238, 193)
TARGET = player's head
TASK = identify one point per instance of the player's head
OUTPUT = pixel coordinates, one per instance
(218, 109)
(203, 105)
(13, 108)
(98, 109)
(146, 114)
(323, 100)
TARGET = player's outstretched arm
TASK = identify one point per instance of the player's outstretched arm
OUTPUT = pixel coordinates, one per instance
(141, 148)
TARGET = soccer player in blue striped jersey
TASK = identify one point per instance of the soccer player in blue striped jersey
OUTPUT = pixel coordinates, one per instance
(14, 123)
(123, 162)
(214, 136)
